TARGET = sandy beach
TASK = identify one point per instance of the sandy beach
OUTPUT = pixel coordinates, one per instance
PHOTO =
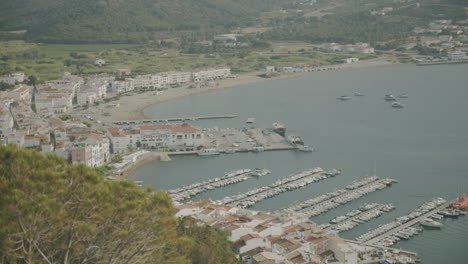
(132, 107)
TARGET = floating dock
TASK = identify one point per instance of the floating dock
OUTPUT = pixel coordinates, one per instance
(362, 216)
(328, 201)
(289, 183)
(233, 177)
(387, 230)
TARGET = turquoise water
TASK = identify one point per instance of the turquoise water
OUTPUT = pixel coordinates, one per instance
(424, 145)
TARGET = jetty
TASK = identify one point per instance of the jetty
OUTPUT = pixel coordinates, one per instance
(328, 201)
(289, 183)
(357, 217)
(388, 230)
(175, 119)
(229, 178)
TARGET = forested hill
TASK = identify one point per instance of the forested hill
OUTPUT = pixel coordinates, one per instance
(82, 21)
(53, 212)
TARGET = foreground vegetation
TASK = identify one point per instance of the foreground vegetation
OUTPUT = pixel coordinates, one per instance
(53, 212)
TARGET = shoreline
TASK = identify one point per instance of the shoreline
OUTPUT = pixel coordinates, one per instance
(129, 171)
(132, 107)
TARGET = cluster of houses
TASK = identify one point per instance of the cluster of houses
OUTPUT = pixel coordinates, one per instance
(166, 79)
(169, 136)
(360, 47)
(280, 237)
(444, 35)
(33, 117)
(13, 78)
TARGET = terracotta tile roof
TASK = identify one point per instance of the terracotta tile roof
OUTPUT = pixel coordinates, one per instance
(249, 237)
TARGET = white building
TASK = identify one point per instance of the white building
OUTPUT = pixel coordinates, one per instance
(351, 60)
(155, 136)
(93, 151)
(13, 78)
(99, 62)
(226, 37)
(210, 74)
(122, 86)
(456, 55)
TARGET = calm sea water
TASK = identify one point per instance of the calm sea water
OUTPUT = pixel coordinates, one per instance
(424, 145)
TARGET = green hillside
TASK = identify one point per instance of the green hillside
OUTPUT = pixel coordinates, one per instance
(106, 21)
(53, 212)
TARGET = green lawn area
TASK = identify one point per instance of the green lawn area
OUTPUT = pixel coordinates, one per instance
(49, 61)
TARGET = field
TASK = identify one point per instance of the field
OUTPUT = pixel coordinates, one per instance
(49, 61)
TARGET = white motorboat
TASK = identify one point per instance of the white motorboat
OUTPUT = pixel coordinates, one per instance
(208, 152)
(397, 105)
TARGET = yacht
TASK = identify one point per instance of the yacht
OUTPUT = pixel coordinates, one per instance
(250, 120)
(344, 98)
(279, 128)
(295, 140)
(430, 223)
(390, 97)
(207, 152)
(397, 105)
(260, 172)
(305, 148)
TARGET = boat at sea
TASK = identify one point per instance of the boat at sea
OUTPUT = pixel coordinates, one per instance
(305, 148)
(250, 120)
(390, 97)
(451, 213)
(430, 223)
(279, 128)
(207, 152)
(260, 172)
(295, 140)
(397, 105)
(344, 98)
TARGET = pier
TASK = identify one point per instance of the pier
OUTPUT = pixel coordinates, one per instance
(363, 216)
(176, 119)
(233, 177)
(328, 201)
(289, 183)
(410, 223)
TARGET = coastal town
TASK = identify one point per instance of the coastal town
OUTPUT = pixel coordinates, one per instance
(97, 119)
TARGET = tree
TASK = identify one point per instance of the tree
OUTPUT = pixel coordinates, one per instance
(65, 117)
(32, 80)
(117, 158)
(5, 86)
(54, 212)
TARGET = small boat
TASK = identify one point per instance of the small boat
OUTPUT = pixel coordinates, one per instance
(305, 148)
(397, 105)
(390, 97)
(358, 94)
(261, 172)
(403, 95)
(250, 120)
(295, 140)
(344, 98)
(279, 128)
(207, 152)
(450, 213)
(430, 223)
